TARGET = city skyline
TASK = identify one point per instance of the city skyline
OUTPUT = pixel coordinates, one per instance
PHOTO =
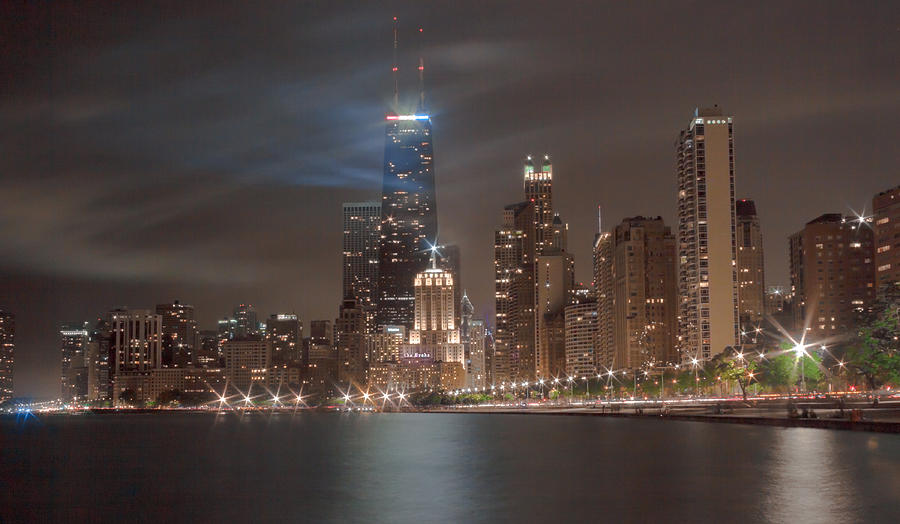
(82, 286)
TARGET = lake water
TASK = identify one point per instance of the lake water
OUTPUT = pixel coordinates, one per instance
(329, 467)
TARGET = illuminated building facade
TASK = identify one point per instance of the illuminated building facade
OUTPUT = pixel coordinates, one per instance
(351, 342)
(435, 334)
(247, 362)
(7, 353)
(707, 266)
(886, 225)
(832, 275)
(362, 239)
(750, 263)
(136, 339)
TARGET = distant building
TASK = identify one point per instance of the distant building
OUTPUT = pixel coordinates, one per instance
(179, 333)
(285, 332)
(246, 322)
(387, 344)
(351, 342)
(208, 353)
(708, 284)
(362, 237)
(886, 225)
(100, 356)
(136, 348)
(554, 286)
(7, 353)
(247, 363)
(75, 361)
(472, 333)
(832, 276)
(450, 259)
(750, 264)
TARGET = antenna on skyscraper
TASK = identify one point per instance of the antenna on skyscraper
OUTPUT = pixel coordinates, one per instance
(395, 67)
(599, 218)
(421, 75)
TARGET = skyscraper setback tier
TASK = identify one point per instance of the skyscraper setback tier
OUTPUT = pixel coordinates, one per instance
(707, 271)
(408, 215)
(750, 263)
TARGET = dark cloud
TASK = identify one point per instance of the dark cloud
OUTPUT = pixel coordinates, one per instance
(202, 152)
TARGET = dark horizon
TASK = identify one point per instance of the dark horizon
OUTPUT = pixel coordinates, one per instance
(162, 153)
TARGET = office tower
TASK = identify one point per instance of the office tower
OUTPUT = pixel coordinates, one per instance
(554, 286)
(435, 334)
(136, 339)
(514, 251)
(351, 342)
(605, 344)
(179, 333)
(75, 361)
(581, 333)
(644, 303)
(247, 363)
(7, 353)
(408, 205)
(489, 348)
(208, 352)
(707, 278)
(100, 354)
(246, 322)
(362, 237)
(285, 332)
(751, 270)
(832, 276)
(886, 224)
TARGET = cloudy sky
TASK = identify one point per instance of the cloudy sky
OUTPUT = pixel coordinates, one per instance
(177, 151)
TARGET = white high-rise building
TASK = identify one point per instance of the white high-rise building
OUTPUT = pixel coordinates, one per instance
(435, 333)
(707, 266)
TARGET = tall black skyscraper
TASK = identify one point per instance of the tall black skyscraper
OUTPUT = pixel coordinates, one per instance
(408, 205)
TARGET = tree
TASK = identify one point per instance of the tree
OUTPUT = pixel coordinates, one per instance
(874, 352)
(731, 365)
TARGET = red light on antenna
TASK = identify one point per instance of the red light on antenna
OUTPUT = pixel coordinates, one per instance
(420, 29)
(394, 69)
(395, 19)
(421, 68)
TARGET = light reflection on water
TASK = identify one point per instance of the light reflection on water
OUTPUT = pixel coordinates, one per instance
(441, 468)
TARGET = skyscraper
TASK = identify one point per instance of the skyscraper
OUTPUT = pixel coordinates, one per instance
(246, 322)
(539, 189)
(351, 342)
(435, 333)
(554, 283)
(74, 362)
(581, 333)
(643, 317)
(750, 263)
(514, 252)
(408, 205)
(832, 276)
(179, 333)
(7, 353)
(136, 339)
(605, 345)
(887, 237)
(472, 333)
(362, 227)
(285, 332)
(707, 267)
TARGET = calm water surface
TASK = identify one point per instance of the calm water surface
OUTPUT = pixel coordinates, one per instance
(439, 468)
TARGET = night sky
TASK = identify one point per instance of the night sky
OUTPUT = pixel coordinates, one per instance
(158, 153)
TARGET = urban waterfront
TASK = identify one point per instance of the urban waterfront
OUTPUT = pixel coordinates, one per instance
(316, 467)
